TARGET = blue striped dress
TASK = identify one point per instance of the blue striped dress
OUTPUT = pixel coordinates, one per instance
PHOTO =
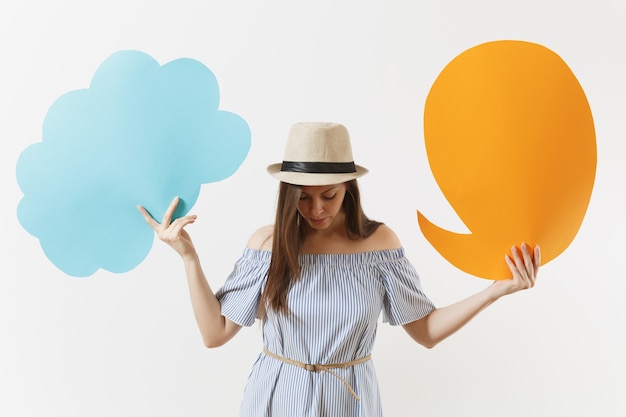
(335, 308)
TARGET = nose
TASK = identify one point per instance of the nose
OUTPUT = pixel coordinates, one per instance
(317, 206)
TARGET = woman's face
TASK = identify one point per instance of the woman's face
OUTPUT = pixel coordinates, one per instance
(321, 205)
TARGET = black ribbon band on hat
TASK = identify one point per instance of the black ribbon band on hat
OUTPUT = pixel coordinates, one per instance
(318, 167)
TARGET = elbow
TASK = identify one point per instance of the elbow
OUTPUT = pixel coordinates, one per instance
(428, 344)
(216, 335)
(425, 341)
(422, 334)
(213, 342)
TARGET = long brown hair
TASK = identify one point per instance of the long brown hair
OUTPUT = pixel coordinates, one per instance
(289, 232)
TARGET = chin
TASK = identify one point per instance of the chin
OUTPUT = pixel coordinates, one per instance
(320, 225)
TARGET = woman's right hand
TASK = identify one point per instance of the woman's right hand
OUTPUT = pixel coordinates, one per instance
(172, 232)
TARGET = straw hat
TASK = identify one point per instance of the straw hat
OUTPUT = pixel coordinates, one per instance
(317, 154)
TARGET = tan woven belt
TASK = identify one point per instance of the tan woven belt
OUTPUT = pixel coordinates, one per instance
(325, 367)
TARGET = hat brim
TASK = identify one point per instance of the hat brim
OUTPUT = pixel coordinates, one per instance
(305, 178)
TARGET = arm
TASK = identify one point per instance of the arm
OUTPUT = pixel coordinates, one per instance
(214, 328)
(445, 321)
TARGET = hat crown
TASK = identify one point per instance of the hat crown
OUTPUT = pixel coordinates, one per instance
(318, 142)
(317, 153)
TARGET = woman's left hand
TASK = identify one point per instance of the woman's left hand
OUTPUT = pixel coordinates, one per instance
(524, 268)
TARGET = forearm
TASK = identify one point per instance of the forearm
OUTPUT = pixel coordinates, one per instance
(214, 328)
(445, 321)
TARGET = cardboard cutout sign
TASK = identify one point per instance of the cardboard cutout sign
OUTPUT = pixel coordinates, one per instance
(141, 134)
(511, 143)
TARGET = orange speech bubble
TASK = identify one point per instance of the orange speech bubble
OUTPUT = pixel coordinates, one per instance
(511, 143)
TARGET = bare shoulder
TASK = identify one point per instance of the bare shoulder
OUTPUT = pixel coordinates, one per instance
(383, 238)
(261, 239)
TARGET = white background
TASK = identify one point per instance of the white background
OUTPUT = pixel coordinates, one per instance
(127, 345)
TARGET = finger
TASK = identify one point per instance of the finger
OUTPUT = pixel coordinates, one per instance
(519, 263)
(537, 259)
(178, 224)
(512, 266)
(176, 228)
(148, 217)
(528, 260)
(167, 217)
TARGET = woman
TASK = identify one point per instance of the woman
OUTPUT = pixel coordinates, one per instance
(319, 278)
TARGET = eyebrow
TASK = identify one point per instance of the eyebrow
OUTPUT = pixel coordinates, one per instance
(332, 188)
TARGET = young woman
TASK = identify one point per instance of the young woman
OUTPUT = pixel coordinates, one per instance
(319, 279)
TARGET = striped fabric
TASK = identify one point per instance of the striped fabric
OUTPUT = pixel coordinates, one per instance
(335, 308)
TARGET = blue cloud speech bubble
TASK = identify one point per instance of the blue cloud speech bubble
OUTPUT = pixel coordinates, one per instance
(141, 134)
